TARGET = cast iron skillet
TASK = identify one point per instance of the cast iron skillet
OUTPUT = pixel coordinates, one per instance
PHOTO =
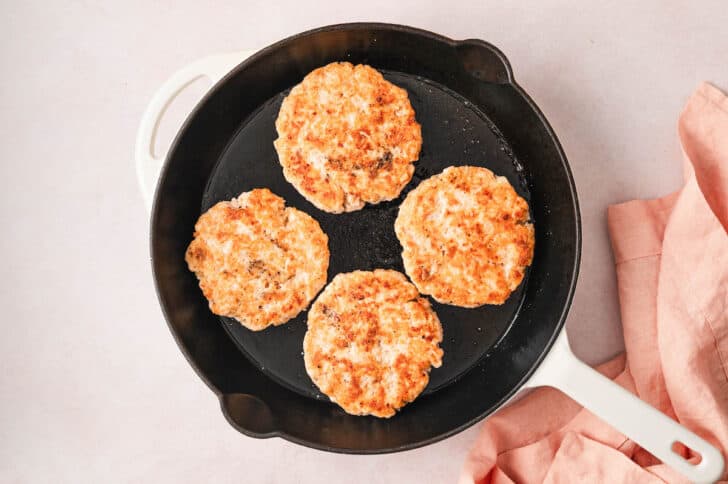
(472, 112)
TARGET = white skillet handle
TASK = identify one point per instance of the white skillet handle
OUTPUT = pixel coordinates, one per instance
(651, 429)
(147, 165)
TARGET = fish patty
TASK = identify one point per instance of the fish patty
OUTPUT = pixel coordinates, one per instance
(346, 137)
(371, 341)
(466, 237)
(257, 260)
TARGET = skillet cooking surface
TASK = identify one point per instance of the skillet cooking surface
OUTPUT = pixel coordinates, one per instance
(454, 132)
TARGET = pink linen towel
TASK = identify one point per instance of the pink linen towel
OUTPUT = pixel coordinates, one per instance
(671, 257)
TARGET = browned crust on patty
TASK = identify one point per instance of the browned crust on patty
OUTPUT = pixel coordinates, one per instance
(371, 342)
(258, 261)
(466, 237)
(346, 137)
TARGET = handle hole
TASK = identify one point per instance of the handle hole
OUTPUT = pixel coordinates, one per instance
(686, 453)
(175, 114)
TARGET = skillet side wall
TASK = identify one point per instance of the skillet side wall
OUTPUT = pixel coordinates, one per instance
(252, 402)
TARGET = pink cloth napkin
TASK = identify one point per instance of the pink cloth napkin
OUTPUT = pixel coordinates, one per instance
(671, 257)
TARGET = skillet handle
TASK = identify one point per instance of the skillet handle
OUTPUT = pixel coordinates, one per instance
(648, 427)
(148, 166)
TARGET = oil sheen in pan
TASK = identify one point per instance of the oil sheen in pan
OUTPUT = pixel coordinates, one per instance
(454, 132)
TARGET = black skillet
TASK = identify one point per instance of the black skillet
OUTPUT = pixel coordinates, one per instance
(472, 112)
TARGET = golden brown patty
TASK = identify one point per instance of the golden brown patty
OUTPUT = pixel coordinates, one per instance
(258, 261)
(346, 136)
(466, 237)
(371, 341)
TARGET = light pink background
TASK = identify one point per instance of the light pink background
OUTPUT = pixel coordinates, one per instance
(93, 388)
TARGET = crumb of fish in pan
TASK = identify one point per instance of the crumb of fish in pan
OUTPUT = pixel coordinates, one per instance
(346, 137)
(466, 237)
(371, 342)
(257, 260)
